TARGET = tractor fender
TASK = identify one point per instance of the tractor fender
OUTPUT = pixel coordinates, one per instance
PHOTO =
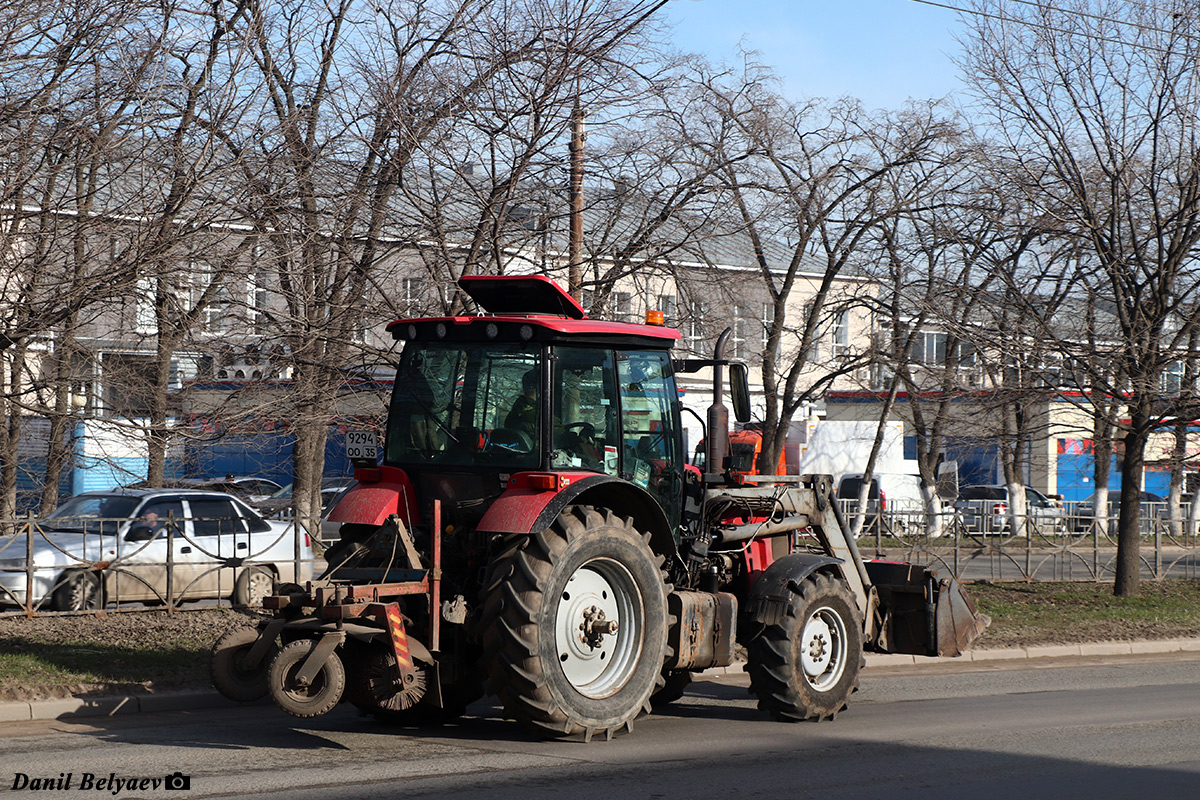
(526, 509)
(372, 503)
(770, 596)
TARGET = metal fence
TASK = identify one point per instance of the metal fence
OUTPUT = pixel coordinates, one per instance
(1068, 547)
(104, 566)
(114, 564)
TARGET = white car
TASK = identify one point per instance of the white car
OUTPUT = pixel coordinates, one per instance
(145, 545)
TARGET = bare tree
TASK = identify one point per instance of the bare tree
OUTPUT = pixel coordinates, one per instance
(366, 110)
(1099, 108)
(806, 183)
(73, 80)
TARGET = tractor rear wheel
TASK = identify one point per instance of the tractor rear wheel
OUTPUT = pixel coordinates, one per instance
(575, 625)
(807, 665)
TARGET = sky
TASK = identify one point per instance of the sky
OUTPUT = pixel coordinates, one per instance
(881, 51)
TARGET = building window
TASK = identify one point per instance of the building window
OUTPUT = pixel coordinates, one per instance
(841, 335)
(768, 322)
(218, 314)
(967, 355)
(412, 291)
(622, 306)
(739, 330)
(694, 330)
(666, 304)
(144, 309)
(929, 348)
(257, 291)
(1172, 379)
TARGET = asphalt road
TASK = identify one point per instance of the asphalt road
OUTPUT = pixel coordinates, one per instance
(1098, 729)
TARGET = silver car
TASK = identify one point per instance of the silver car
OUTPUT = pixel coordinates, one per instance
(985, 509)
(147, 545)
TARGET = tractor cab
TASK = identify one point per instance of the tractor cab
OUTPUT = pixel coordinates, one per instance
(533, 386)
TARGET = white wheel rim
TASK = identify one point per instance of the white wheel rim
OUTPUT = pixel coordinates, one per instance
(823, 649)
(600, 590)
(259, 585)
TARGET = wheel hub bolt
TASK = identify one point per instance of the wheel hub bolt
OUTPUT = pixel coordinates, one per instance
(595, 627)
(816, 648)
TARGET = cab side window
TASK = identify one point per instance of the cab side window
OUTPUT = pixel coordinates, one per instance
(585, 410)
(648, 417)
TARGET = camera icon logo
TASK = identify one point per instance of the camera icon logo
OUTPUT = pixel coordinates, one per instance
(177, 780)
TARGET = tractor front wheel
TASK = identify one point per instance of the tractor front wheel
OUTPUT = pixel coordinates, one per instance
(575, 625)
(807, 665)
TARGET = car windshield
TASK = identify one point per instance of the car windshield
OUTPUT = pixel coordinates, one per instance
(92, 513)
(283, 494)
(850, 487)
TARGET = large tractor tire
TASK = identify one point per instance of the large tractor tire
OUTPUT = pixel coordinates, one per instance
(807, 665)
(575, 625)
(230, 674)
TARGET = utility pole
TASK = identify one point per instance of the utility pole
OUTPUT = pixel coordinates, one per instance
(575, 243)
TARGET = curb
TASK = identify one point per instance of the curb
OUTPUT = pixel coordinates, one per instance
(1088, 649)
(68, 708)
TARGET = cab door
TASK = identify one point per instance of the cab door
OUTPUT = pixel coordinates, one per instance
(650, 426)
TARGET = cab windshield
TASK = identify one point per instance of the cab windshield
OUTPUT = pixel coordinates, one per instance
(466, 404)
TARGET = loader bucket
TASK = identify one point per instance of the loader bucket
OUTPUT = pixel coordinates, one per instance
(958, 624)
(922, 614)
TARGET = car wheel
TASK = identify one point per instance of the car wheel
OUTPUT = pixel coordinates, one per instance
(252, 586)
(78, 591)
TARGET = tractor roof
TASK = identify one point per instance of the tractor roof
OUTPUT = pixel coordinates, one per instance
(536, 304)
(520, 295)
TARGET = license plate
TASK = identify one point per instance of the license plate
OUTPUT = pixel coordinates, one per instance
(362, 446)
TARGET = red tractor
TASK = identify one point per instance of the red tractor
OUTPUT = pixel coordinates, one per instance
(533, 528)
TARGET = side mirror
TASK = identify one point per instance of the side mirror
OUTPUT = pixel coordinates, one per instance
(140, 533)
(739, 391)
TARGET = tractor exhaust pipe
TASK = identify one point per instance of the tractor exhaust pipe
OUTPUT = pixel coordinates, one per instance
(717, 449)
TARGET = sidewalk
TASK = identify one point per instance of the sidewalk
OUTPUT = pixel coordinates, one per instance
(81, 707)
